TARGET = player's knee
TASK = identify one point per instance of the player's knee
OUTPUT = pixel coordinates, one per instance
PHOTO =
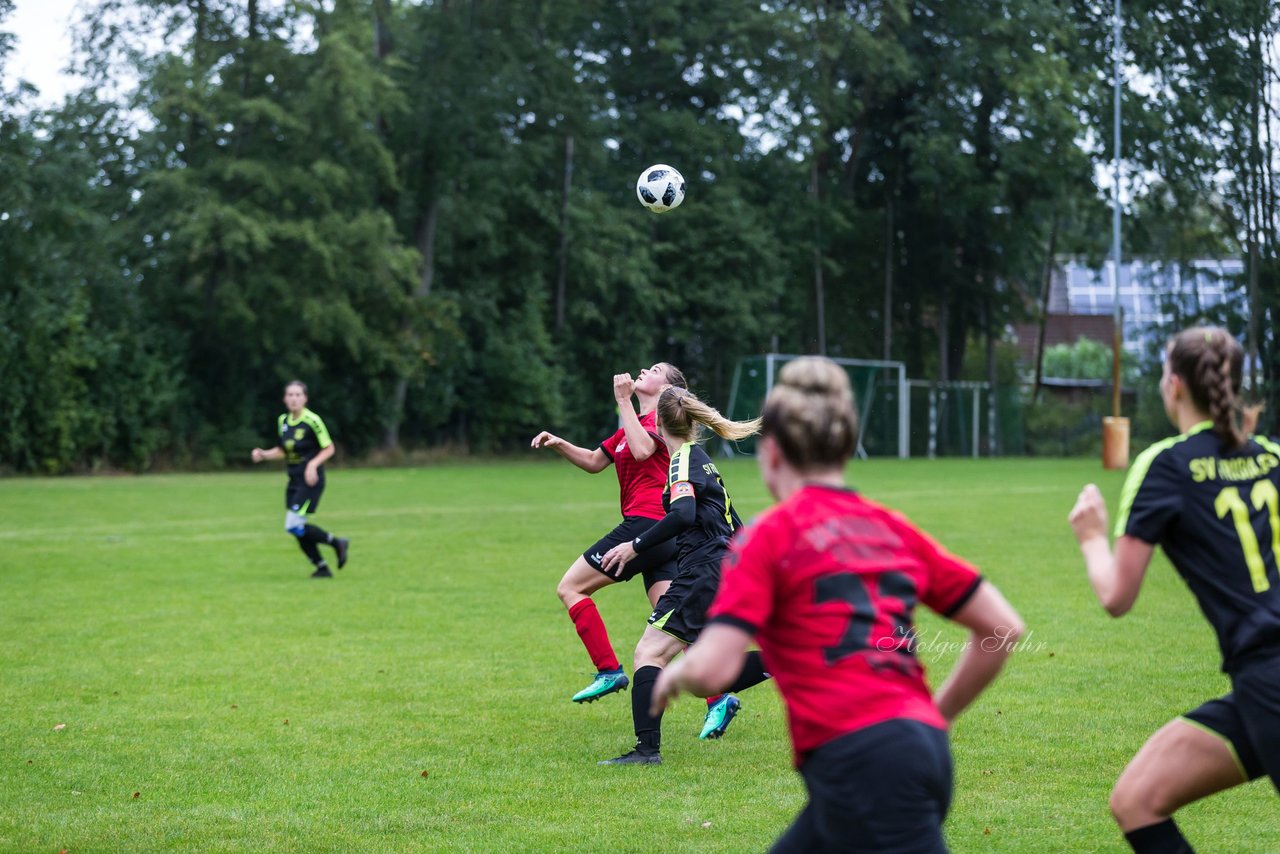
(1137, 803)
(567, 592)
(295, 523)
(653, 651)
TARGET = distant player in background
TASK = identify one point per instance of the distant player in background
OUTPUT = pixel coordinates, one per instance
(826, 582)
(701, 519)
(301, 438)
(640, 459)
(1210, 498)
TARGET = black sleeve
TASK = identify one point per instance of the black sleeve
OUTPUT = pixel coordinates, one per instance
(682, 515)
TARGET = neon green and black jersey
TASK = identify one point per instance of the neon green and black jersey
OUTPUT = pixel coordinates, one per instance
(301, 438)
(1216, 514)
(700, 513)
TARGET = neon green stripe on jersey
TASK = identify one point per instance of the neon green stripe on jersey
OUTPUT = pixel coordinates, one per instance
(317, 426)
(1268, 444)
(1138, 472)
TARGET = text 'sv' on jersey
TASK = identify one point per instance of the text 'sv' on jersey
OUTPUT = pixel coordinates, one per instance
(1215, 511)
(694, 477)
(301, 438)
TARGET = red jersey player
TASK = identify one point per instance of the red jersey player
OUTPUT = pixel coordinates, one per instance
(641, 460)
(826, 583)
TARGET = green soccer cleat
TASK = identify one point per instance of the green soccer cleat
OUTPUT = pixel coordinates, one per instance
(719, 716)
(605, 683)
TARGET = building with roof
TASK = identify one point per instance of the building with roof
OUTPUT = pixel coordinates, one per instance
(1156, 298)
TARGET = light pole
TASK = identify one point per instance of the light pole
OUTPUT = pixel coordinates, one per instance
(1115, 430)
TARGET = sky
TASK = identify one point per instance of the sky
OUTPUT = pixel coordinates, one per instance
(43, 31)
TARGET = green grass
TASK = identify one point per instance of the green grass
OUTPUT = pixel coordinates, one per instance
(170, 679)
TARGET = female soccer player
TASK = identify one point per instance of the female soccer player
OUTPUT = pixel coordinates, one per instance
(827, 582)
(301, 438)
(1210, 498)
(640, 459)
(701, 519)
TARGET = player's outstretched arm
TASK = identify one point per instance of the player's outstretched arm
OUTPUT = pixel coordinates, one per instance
(707, 668)
(994, 627)
(592, 461)
(260, 454)
(1115, 578)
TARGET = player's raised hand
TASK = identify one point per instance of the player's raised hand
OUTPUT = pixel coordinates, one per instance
(623, 387)
(546, 440)
(1089, 517)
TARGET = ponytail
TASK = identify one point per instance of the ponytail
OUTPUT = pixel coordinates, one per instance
(680, 411)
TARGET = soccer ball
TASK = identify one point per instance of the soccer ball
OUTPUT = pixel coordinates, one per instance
(660, 188)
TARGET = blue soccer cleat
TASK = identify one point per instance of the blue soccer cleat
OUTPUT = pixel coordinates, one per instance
(605, 683)
(719, 715)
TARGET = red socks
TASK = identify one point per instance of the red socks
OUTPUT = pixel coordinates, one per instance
(595, 637)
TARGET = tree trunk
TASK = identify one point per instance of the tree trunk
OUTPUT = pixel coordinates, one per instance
(426, 241)
(944, 331)
(989, 323)
(381, 30)
(562, 260)
(888, 278)
(819, 294)
(1045, 286)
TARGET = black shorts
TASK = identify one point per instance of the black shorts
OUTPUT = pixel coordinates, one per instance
(299, 497)
(1248, 719)
(886, 788)
(682, 610)
(656, 564)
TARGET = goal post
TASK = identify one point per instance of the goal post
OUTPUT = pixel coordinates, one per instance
(879, 388)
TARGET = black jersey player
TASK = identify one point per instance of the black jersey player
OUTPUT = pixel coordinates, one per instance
(1210, 497)
(702, 519)
(303, 441)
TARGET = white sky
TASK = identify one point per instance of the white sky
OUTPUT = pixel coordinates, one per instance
(43, 32)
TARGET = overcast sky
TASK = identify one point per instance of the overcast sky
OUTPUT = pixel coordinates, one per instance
(43, 31)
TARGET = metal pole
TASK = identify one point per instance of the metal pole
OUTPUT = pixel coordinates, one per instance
(1117, 335)
(977, 406)
(904, 414)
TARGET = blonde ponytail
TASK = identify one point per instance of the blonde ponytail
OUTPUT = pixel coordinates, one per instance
(680, 411)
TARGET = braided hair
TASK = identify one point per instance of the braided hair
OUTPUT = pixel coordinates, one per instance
(1211, 363)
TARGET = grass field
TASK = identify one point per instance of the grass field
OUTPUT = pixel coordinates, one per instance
(170, 679)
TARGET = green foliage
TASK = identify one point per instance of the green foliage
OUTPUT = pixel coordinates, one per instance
(435, 226)
(1087, 360)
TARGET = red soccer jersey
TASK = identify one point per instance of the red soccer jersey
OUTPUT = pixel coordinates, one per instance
(827, 582)
(640, 482)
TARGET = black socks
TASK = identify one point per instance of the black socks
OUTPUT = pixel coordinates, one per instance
(753, 673)
(1162, 838)
(318, 535)
(648, 727)
(310, 541)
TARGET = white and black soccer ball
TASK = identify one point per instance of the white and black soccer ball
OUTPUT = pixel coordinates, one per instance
(660, 188)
